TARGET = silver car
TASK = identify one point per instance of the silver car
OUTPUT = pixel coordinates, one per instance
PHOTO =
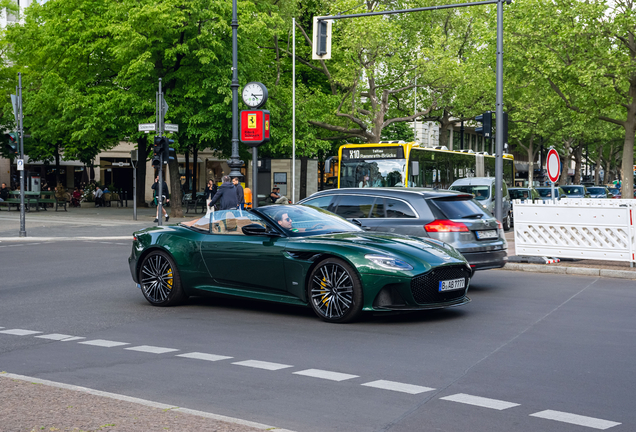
(483, 188)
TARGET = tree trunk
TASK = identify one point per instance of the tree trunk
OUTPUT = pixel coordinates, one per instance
(563, 179)
(142, 155)
(187, 172)
(303, 178)
(598, 165)
(578, 155)
(57, 165)
(627, 168)
(175, 189)
(195, 166)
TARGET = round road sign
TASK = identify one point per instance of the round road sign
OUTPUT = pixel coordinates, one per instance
(553, 165)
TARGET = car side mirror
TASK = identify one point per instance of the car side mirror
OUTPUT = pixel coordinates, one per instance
(357, 222)
(254, 229)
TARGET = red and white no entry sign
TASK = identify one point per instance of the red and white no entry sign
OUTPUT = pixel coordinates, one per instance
(553, 165)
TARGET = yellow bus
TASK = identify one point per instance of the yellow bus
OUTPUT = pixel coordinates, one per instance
(409, 165)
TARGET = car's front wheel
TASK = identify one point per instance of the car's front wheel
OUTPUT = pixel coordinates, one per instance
(160, 281)
(335, 291)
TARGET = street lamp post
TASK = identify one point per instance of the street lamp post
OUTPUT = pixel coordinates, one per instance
(234, 162)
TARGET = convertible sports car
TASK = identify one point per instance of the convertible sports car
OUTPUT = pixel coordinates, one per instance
(299, 255)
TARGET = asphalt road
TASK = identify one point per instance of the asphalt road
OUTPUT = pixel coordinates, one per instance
(531, 352)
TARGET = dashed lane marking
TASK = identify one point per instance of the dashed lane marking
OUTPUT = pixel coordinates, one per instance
(328, 375)
(19, 332)
(74, 338)
(55, 336)
(262, 365)
(398, 387)
(151, 349)
(203, 356)
(575, 419)
(480, 401)
(104, 343)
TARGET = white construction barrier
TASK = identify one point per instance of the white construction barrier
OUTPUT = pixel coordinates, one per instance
(588, 228)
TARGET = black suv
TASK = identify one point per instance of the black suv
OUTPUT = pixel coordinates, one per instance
(452, 217)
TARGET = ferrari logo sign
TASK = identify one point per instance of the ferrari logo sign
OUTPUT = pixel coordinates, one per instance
(254, 127)
(251, 121)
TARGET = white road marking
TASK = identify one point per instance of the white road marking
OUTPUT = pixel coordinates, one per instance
(203, 356)
(575, 419)
(399, 387)
(73, 339)
(480, 401)
(328, 375)
(262, 365)
(152, 349)
(104, 343)
(55, 336)
(143, 402)
(19, 332)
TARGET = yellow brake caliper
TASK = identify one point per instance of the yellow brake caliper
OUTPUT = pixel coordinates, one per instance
(324, 292)
(169, 281)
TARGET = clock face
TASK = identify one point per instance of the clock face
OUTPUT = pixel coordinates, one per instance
(254, 94)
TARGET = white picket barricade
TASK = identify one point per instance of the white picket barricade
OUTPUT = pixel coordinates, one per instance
(601, 229)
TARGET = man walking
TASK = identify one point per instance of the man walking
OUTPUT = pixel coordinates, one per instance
(226, 195)
(240, 195)
(4, 192)
(164, 200)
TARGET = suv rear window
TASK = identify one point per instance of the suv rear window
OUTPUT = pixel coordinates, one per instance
(460, 208)
(573, 190)
(481, 192)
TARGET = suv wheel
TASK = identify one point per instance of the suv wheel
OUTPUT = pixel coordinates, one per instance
(506, 222)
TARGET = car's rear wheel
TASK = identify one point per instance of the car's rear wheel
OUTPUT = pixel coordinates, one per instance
(506, 223)
(160, 281)
(335, 291)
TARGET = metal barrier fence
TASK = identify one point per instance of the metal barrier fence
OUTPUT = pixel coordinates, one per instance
(601, 229)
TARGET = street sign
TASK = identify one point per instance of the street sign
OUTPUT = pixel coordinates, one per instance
(146, 127)
(14, 102)
(554, 165)
(255, 127)
(20, 163)
(168, 127)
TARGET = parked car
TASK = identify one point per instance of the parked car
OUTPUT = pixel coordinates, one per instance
(298, 255)
(599, 192)
(483, 188)
(616, 193)
(575, 191)
(545, 193)
(452, 217)
(523, 194)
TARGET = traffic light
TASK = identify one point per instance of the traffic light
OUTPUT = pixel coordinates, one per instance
(157, 150)
(167, 151)
(486, 128)
(321, 49)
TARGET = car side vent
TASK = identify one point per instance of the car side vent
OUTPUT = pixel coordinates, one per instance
(303, 255)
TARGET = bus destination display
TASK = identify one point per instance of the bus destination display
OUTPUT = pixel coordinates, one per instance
(373, 153)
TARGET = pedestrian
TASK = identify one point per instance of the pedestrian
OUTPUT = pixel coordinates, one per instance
(276, 197)
(210, 190)
(99, 201)
(4, 192)
(240, 194)
(226, 195)
(164, 199)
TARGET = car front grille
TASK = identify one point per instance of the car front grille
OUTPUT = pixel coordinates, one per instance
(425, 288)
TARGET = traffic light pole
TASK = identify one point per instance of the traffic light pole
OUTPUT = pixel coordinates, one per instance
(21, 133)
(160, 132)
(234, 162)
(499, 138)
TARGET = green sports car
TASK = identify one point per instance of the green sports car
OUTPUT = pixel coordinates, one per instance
(299, 255)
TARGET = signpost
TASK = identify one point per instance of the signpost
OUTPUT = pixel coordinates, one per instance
(147, 127)
(553, 164)
(168, 127)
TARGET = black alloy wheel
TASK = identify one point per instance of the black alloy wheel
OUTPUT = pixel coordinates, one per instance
(160, 281)
(335, 291)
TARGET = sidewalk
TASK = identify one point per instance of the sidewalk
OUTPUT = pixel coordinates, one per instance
(580, 267)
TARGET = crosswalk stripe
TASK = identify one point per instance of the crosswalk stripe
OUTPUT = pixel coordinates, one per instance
(151, 349)
(575, 419)
(19, 332)
(328, 375)
(55, 336)
(480, 401)
(104, 343)
(399, 387)
(262, 365)
(203, 356)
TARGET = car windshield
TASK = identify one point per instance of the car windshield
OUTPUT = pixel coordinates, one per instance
(615, 191)
(303, 220)
(481, 192)
(519, 193)
(573, 190)
(225, 222)
(596, 190)
(546, 192)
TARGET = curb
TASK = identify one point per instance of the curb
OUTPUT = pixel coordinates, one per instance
(579, 271)
(143, 402)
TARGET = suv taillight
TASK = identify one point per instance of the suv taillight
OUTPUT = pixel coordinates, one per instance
(445, 225)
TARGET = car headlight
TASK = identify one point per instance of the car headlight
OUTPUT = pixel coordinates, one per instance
(389, 262)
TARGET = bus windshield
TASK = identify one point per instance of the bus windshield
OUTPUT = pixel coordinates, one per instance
(372, 173)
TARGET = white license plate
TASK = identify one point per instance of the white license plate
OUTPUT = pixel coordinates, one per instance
(487, 234)
(453, 284)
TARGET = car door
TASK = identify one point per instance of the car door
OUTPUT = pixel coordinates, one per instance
(237, 260)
